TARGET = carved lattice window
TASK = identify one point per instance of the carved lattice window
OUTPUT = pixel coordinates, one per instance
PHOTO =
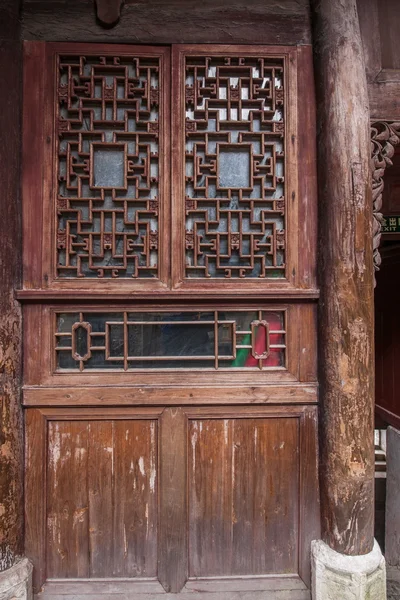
(235, 195)
(108, 168)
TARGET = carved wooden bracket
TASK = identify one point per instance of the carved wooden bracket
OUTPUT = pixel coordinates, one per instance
(108, 11)
(384, 137)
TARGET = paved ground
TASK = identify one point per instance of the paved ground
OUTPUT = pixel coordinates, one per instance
(393, 585)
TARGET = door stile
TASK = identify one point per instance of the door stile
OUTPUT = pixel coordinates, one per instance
(173, 545)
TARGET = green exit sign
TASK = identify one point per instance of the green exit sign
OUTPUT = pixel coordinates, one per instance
(391, 224)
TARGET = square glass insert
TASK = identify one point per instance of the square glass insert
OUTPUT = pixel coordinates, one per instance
(109, 167)
(234, 167)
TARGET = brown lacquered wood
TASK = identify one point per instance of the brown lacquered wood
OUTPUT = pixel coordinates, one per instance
(346, 321)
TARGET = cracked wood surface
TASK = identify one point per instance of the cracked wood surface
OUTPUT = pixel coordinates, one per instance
(11, 451)
(346, 323)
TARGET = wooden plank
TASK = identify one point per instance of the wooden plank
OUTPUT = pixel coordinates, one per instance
(310, 528)
(170, 395)
(33, 163)
(172, 558)
(35, 502)
(100, 475)
(135, 506)
(78, 293)
(307, 169)
(67, 500)
(184, 595)
(32, 339)
(346, 357)
(243, 496)
(307, 331)
(184, 21)
(210, 497)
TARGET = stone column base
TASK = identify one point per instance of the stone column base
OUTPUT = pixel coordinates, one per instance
(16, 582)
(340, 577)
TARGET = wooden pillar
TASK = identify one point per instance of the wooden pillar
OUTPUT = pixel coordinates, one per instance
(346, 351)
(11, 440)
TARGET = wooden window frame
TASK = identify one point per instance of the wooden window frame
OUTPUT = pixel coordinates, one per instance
(295, 383)
(39, 183)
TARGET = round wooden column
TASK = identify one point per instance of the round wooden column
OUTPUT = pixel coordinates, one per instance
(11, 433)
(346, 323)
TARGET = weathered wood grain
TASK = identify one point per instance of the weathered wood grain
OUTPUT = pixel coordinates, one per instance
(180, 21)
(172, 565)
(11, 437)
(346, 322)
(243, 496)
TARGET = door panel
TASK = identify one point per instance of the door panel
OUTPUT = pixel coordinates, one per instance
(174, 497)
(102, 501)
(243, 496)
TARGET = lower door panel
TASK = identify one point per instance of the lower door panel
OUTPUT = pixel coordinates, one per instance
(195, 501)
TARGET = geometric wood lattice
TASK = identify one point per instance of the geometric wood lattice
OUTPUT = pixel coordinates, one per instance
(233, 339)
(108, 166)
(235, 201)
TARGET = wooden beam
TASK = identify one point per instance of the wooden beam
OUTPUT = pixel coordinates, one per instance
(346, 351)
(11, 438)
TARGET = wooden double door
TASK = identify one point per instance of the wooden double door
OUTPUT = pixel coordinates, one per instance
(170, 320)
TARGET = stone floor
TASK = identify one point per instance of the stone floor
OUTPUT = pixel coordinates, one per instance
(393, 583)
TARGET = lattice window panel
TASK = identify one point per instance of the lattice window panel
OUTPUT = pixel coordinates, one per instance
(216, 340)
(108, 166)
(235, 157)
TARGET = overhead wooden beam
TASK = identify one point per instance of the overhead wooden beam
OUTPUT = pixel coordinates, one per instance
(346, 351)
(180, 21)
(11, 438)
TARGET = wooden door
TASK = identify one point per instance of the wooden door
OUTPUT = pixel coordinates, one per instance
(170, 320)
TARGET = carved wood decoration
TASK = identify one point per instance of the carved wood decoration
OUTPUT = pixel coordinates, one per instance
(384, 136)
(108, 168)
(235, 195)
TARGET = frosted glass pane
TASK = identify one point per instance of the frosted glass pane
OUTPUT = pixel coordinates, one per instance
(108, 167)
(234, 168)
